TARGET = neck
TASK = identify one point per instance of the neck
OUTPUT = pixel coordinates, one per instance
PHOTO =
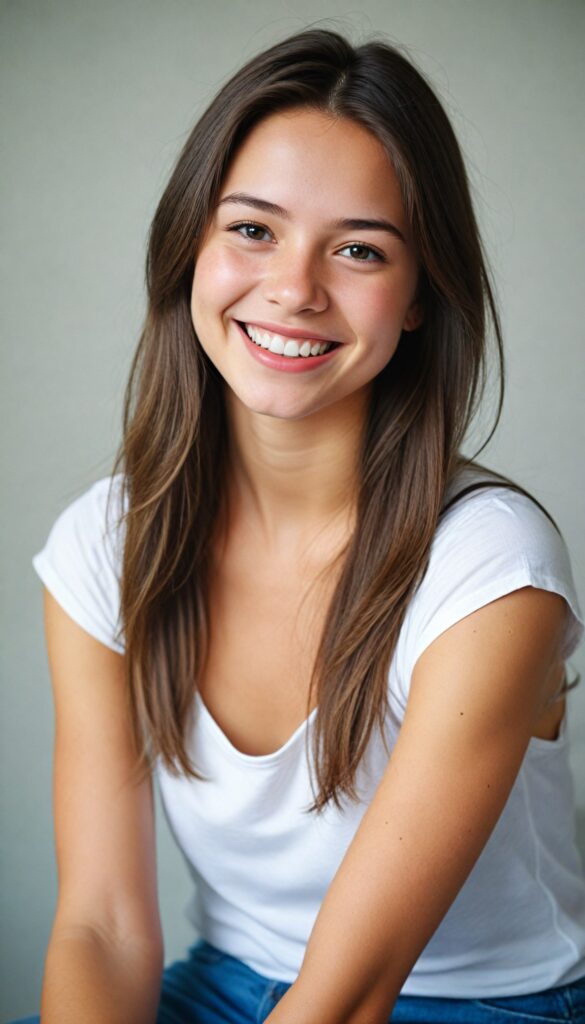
(289, 478)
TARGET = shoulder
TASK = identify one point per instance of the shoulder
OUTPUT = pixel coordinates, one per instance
(489, 543)
(80, 562)
(498, 523)
(92, 523)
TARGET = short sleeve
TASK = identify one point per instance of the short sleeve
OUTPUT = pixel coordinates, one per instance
(81, 561)
(490, 543)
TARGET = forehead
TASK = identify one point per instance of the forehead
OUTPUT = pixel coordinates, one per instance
(308, 160)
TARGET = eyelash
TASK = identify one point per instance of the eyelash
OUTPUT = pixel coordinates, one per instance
(380, 258)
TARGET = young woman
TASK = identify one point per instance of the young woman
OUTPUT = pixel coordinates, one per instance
(339, 644)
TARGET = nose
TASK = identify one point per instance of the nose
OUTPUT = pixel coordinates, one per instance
(294, 281)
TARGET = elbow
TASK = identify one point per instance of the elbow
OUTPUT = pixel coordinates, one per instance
(139, 940)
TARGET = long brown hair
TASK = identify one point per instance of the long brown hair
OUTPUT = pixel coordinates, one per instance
(173, 455)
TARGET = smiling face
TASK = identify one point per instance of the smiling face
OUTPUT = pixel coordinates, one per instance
(289, 254)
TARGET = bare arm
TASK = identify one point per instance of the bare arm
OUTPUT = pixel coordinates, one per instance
(98, 980)
(476, 694)
(105, 955)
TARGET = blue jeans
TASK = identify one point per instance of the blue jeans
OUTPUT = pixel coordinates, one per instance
(211, 987)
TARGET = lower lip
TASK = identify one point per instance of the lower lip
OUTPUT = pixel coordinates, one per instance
(289, 364)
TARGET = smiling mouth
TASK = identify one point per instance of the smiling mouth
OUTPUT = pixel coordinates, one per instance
(281, 346)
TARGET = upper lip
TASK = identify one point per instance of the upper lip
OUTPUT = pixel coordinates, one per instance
(287, 332)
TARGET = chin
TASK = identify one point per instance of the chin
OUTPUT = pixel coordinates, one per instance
(273, 406)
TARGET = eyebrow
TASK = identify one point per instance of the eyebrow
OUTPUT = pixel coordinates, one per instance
(345, 223)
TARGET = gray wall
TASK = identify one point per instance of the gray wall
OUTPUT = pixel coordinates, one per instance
(98, 98)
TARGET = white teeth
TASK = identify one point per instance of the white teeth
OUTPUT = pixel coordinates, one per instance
(286, 346)
(277, 345)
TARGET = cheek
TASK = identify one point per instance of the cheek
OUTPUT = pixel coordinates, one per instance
(381, 312)
(377, 321)
(219, 280)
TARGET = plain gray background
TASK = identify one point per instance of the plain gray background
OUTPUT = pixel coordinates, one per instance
(97, 100)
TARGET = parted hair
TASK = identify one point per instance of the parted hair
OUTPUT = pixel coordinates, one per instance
(174, 453)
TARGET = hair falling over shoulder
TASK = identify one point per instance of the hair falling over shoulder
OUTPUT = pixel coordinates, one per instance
(173, 455)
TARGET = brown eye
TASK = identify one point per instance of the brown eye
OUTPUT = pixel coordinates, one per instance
(362, 253)
(251, 231)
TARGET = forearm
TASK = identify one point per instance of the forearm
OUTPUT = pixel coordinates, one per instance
(309, 1004)
(358, 954)
(98, 982)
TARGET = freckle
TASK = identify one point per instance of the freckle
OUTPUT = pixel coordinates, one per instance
(385, 822)
(400, 837)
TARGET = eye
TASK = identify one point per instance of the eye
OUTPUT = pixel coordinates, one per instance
(249, 230)
(362, 253)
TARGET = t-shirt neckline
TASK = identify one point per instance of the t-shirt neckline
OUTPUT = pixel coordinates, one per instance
(258, 760)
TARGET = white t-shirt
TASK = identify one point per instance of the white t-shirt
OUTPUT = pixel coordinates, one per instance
(261, 865)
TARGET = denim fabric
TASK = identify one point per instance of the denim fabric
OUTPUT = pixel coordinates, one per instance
(211, 987)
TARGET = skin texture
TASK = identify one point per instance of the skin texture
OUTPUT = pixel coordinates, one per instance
(105, 954)
(295, 435)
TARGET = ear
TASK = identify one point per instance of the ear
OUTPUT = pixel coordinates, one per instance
(413, 318)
